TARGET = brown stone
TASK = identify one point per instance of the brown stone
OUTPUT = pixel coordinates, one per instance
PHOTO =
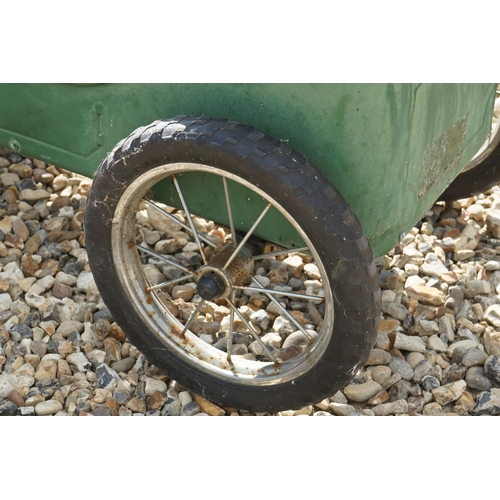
(13, 241)
(22, 170)
(32, 244)
(30, 215)
(63, 368)
(155, 401)
(61, 291)
(46, 369)
(58, 236)
(29, 265)
(12, 209)
(466, 400)
(101, 328)
(64, 348)
(59, 202)
(65, 246)
(19, 228)
(388, 325)
(76, 223)
(184, 292)
(56, 224)
(167, 302)
(113, 348)
(58, 396)
(426, 294)
(48, 268)
(381, 397)
(117, 333)
(84, 187)
(452, 233)
(412, 305)
(113, 406)
(171, 245)
(300, 317)
(11, 195)
(41, 175)
(33, 360)
(16, 398)
(137, 405)
(81, 239)
(397, 353)
(5, 334)
(208, 407)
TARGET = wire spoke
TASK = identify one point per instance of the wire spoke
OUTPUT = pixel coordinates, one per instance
(278, 292)
(193, 316)
(166, 259)
(247, 236)
(281, 252)
(190, 220)
(229, 211)
(230, 336)
(167, 283)
(284, 311)
(152, 204)
(252, 332)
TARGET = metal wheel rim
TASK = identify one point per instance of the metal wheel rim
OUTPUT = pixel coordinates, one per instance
(165, 326)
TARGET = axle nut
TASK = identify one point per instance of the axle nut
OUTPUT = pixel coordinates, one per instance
(210, 287)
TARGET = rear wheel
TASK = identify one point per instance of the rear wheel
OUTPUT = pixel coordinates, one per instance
(483, 171)
(272, 307)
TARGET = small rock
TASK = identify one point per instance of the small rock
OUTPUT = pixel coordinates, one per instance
(429, 383)
(488, 403)
(191, 408)
(50, 407)
(474, 357)
(492, 315)
(343, 410)
(7, 409)
(85, 283)
(407, 342)
(477, 380)
(426, 295)
(436, 344)
(378, 357)
(107, 378)
(360, 393)
(401, 367)
(449, 392)
(153, 385)
(492, 368)
(399, 407)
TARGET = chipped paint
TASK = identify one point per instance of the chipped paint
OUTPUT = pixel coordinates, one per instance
(442, 155)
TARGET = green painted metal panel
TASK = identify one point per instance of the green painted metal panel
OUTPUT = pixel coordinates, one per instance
(390, 149)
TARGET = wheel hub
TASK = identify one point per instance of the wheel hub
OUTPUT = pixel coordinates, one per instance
(210, 286)
(216, 281)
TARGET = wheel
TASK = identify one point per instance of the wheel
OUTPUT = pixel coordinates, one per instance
(483, 171)
(273, 307)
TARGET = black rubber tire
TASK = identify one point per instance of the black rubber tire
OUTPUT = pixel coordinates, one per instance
(315, 204)
(477, 177)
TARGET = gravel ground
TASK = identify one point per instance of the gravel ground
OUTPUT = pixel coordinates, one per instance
(437, 351)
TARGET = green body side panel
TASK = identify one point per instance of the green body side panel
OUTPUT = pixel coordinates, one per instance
(390, 149)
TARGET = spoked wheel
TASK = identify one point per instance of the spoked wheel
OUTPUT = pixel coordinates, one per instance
(273, 306)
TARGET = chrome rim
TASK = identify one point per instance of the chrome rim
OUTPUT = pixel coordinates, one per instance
(228, 283)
